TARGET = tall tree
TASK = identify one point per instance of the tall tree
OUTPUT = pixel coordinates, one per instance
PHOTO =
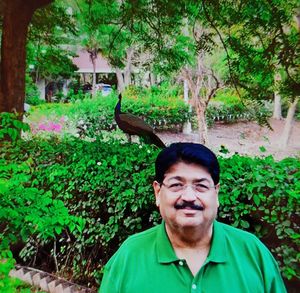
(95, 19)
(203, 84)
(49, 46)
(16, 19)
(126, 29)
(202, 75)
(260, 39)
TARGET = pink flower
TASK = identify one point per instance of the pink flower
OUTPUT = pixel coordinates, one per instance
(50, 127)
(44, 127)
(56, 127)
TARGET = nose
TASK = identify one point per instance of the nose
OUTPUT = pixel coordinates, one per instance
(189, 194)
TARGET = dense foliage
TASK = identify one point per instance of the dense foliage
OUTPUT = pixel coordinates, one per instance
(161, 107)
(262, 196)
(108, 184)
(162, 110)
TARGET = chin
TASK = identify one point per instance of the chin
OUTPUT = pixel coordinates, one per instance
(189, 223)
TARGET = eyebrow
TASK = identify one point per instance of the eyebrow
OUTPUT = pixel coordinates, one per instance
(179, 178)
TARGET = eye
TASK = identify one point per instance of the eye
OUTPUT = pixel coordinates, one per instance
(201, 187)
(176, 186)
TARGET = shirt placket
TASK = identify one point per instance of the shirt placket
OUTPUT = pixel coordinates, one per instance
(193, 281)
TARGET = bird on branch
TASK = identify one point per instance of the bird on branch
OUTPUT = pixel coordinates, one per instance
(133, 125)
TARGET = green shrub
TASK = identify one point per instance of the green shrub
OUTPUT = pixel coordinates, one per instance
(32, 95)
(88, 175)
(161, 107)
(108, 184)
(97, 114)
(227, 96)
(27, 213)
(262, 196)
(11, 127)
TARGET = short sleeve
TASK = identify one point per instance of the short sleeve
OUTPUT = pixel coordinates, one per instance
(108, 284)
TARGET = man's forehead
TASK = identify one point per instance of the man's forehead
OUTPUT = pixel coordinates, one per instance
(185, 178)
(191, 171)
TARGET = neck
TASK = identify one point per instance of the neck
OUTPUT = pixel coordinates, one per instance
(118, 108)
(190, 237)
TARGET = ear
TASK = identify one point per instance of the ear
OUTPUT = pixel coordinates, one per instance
(156, 187)
(217, 188)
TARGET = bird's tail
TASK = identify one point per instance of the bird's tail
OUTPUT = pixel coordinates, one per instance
(156, 140)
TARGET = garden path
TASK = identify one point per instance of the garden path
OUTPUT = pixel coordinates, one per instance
(246, 138)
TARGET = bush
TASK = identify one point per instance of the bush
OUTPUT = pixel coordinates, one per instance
(262, 196)
(227, 96)
(88, 175)
(11, 127)
(109, 186)
(97, 114)
(32, 95)
(27, 213)
(161, 107)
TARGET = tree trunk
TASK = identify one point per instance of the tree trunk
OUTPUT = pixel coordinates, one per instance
(128, 67)
(277, 99)
(93, 56)
(202, 126)
(94, 78)
(277, 106)
(153, 80)
(120, 78)
(41, 85)
(16, 18)
(187, 127)
(289, 123)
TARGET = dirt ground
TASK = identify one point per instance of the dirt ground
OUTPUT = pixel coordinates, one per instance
(246, 138)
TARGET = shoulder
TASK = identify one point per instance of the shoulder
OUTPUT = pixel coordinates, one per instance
(232, 231)
(144, 238)
(239, 237)
(135, 244)
(245, 246)
(246, 253)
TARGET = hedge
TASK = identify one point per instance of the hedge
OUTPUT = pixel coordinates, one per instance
(106, 186)
(163, 110)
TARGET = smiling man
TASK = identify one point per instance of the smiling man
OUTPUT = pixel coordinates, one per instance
(190, 251)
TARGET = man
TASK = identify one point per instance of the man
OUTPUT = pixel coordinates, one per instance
(190, 251)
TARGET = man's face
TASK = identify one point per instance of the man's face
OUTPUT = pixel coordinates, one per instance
(187, 197)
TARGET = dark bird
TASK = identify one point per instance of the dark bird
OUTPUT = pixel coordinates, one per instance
(133, 125)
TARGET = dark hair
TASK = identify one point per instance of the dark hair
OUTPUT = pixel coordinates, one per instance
(189, 153)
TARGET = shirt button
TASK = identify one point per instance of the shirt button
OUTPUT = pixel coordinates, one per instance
(194, 286)
(181, 263)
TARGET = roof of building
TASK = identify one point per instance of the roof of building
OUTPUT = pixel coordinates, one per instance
(85, 65)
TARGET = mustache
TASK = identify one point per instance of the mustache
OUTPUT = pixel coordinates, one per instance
(180, 206)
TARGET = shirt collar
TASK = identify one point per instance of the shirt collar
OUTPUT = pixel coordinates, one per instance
(166, 253)
(218, 248)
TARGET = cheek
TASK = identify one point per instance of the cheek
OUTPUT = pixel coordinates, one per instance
(166, 205)
(157, 202)
(210, 201)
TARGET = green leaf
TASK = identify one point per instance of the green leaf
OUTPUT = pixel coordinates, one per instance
(262, 149)
(244, 224)
(58, 229)
(256, 199)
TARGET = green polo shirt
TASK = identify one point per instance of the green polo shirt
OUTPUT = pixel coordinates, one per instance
(237, 262)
